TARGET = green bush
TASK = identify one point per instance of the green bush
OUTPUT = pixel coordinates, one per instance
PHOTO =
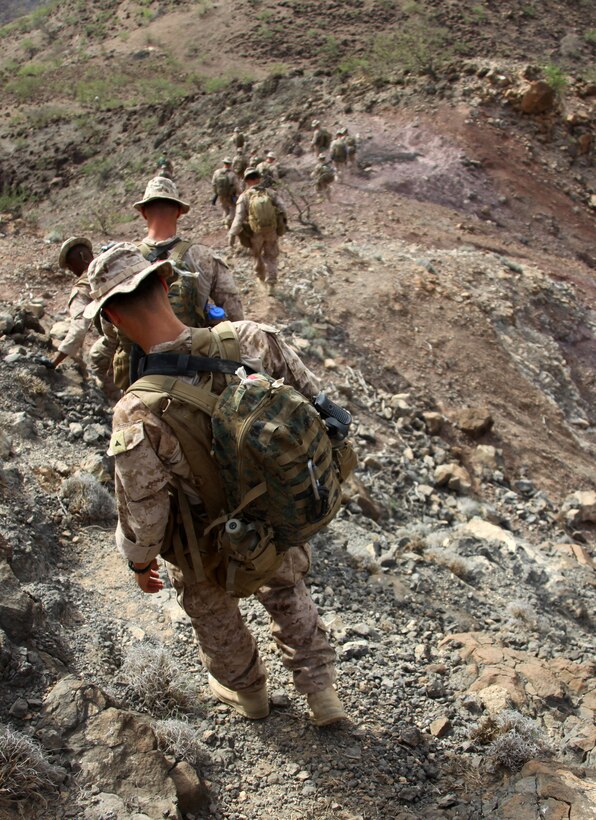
(25, 88)
(556, 78)
(100, 167)
(13, 200)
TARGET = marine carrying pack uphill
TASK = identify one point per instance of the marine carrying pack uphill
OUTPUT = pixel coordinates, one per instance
(224, 185)
(261, 454)
(262, 213)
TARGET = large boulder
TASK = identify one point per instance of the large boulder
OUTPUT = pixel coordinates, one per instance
(538, 99)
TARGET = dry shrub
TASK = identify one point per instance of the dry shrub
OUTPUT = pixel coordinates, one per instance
(155, 684)
(520, 610)
(31, 384)
(513, 739)
(26, 775)
(87, 498)
(178, 739)
(457, 564)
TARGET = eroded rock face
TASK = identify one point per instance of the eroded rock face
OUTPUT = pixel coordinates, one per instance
(116, 752)
(504, 678)
(17, 608)
(546, 789)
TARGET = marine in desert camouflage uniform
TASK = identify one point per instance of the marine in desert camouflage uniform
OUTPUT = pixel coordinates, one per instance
(264, 245)
(324, 175)
(149, 464)
(238, 138)
(75, 255)
(215, 280)
(269, 170)
(226, 189)
(239, 163)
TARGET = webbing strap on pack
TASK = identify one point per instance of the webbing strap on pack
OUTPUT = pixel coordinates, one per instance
(249, 497)
(192, 543)
(184, 364)
(175, 389)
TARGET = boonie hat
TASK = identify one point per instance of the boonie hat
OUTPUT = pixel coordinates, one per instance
(227, 161)
(315, 123)
(69, 245)
(161, 188)
(252, 172)
(271, 155)
(120, 269)
(322, 156)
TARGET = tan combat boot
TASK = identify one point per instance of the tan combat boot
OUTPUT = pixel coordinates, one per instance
(253, 705)
(326, 707)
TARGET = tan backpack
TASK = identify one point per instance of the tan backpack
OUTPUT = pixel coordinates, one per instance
(262, 213)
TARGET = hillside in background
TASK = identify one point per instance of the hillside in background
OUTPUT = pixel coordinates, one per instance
(445, 295)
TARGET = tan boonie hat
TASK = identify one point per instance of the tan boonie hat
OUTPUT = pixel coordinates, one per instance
(271, 155)
(120, 269)
(69, 245)
(315, 123)
(252, 172)
(161, 188)
(227, 161)
(322, 156)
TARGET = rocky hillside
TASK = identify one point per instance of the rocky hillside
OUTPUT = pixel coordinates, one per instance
(445, 295)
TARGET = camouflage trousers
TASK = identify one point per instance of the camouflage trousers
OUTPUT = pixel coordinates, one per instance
(228, 649)
(228, 209)
(265, 250)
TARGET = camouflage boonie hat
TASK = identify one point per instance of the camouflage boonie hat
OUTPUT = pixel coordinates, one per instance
(271, 155)
(226, 161)
(322, 156)
(161, 188)
(69, 245)
(252, 172)
(120, 269)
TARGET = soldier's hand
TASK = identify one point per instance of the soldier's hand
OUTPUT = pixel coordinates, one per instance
(150, 581)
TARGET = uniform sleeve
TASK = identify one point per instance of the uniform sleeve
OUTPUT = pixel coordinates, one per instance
(241, 215)
(147, 460)
(78, 327)
(261, 347)
(102, 352)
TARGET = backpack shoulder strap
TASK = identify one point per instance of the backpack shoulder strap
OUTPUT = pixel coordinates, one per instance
(179, 251)
(152, 253)
(227, 342)
(174, 388)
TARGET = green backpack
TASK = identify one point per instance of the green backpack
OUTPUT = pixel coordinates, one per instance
(262, 213)
(224, 184)
(270, 456)
(339, 151)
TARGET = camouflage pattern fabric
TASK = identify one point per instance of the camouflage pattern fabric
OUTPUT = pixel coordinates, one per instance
(264, 246)
(239, 164)
(339, 151)
(78, 300)
(229, 651)
(320, 140)
(149, 463)
(143, 511)
(266, 433)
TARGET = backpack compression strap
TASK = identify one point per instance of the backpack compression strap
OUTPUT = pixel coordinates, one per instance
(183, 364)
